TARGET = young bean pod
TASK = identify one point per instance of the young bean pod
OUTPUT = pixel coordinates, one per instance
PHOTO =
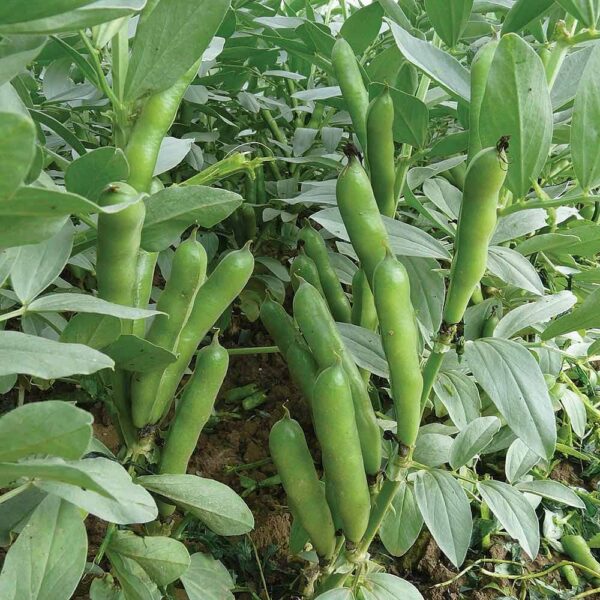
(119, 236)
(400, 338)
(353, 89)
(480, 68)
(306, 494)
(364, 313)
(176, 301)
(321, 334)
(576, 549)
(335, 426)
(142, 287)
(152, 124)
(221, 288)
(278, 323)
(361, 216)
(476, 224)
(381, 152)
(194, 409)
(304, 267)
(315, 248)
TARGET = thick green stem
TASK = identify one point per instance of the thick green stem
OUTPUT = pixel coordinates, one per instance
(548, 203)
(434, 363)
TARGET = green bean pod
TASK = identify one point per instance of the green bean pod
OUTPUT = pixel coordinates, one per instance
(278, 323)
(306, 495)
(321, 334)
(282, 329)
(364, 313)
(152, 124)
(303, 267)
(335, 426)
(193, 410)
(480, 68)
(221, 288)
(476, 224)
(302, 367)
(188, 272)
(119, 236)
(361, 216)
(355, 94)
(142, 287)
(577, 550)
(381, 152)
(489, 325)
(400, 338)
(315, 248)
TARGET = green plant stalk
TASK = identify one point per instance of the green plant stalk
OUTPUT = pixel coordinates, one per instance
(434, 363)
(549, 203)
(560, 51)
(275, 130)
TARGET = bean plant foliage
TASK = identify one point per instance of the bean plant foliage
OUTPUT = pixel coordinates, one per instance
(173, 172)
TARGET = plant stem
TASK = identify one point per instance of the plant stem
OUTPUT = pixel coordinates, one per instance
(550, 203)
(434, 362)
(275, 130)
(251, 351)
(260, 570)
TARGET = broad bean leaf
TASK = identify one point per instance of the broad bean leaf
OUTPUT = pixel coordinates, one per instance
(365, 347)
(513, 268)
(437, 64)
(31, 355)
(14, 11)
(51, 427)
(516, 103)
(523, 12)
(402, 523)
(215, 504)
(89, 174)
(207, 579)
(569, 77)
(163, 558)
(93, 330)
(47, 560)
(519, 461)
(554, 490)
(586, 11)
(514, 512)
(123, 501)
(135, 582)
(36, 266)
(460, 397)
(449, 19)
(575, 409)
(170, 38)
(172, 210)
(85, 303)
(51, 469)
(132, 353)
(528, 315)
(362, 27)
(404, 239)
(17, 150)
(586, 316)
(82, 17)
(383, 586)
(446, 511)
(472, 440)
(512, 378)
(585, 131)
